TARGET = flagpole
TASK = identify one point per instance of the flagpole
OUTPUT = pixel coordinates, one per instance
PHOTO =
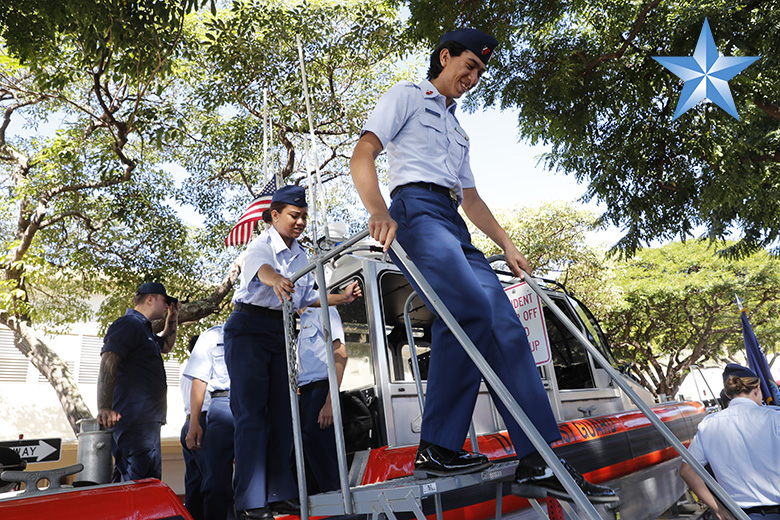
(316, 189)
(756, 359)
(740, 301)
(265, 136)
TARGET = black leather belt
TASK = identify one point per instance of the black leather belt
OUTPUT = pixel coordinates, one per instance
(254, 309)
(220, 393)
(767, 510)
(426, 186)
(312, 386)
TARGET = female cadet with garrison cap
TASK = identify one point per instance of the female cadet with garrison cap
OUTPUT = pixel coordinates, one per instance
(430, 176)
(742, 446)
(256, 358)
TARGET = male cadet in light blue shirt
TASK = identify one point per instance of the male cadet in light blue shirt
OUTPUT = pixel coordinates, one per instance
(319, 440)
(208, 373)
(430, 176)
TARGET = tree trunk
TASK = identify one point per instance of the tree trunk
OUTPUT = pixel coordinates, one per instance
(53, 368)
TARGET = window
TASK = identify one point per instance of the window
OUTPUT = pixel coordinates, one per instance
(13, 364)
(359, 372)
(394, 291)
(571, 362)
(89, 360)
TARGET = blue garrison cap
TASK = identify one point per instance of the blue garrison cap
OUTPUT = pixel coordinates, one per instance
(733, 369)
(476, 41)
(155, 288)
(294, 195)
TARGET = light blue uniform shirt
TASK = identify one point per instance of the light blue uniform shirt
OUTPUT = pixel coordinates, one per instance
(742, 445)
(422, 136)
(185, 385)
(207, 360)
(269, 249)
(311, 344)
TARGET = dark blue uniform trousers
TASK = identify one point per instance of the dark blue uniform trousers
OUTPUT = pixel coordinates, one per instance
(436, 239)
(193, 471)
(218, 477)
(137, 453)
(319, 445)
(260, 401)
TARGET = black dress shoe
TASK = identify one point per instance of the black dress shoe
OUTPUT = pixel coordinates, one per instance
(286, 507)
(534, 480)
(441, 462)
(259, 513)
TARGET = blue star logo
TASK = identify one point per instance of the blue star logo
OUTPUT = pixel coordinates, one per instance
(706, 74)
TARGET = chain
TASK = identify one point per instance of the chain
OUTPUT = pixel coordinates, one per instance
(290, 338)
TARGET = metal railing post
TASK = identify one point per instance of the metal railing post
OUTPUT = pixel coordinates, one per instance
(292, 378)
(292, 374)
(413, 352)
(333, 386)
(416, 369)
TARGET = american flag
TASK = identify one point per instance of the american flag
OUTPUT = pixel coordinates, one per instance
(242, 231)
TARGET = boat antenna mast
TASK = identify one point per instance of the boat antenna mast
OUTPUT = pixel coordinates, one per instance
(312, 164)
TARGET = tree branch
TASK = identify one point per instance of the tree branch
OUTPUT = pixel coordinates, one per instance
(589, 65)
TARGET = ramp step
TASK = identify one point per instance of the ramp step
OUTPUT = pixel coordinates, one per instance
(406, 493)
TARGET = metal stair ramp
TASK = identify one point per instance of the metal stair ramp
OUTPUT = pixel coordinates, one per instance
(408, 494)
(664, 430)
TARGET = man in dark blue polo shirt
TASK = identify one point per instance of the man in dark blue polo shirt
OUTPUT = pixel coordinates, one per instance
(131, 384)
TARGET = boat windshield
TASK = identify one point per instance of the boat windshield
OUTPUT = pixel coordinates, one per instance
(595, 334)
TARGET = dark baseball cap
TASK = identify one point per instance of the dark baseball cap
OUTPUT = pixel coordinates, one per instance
(476, 41)
(155, 288)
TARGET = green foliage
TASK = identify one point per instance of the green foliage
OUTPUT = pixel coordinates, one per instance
(551, 236)
(129, 33)
(582, 76)
(676, 308)
(249, 49)
(85, 204)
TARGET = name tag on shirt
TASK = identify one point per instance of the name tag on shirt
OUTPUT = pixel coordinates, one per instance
(432, 112)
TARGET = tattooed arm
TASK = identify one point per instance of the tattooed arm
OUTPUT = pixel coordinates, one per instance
(171, 324)
(109, 361)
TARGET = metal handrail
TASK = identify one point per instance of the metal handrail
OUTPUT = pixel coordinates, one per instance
(413, 352)
(416, 369)
(339, 250)
(643, 407)
(333, 386)
(498, 386)
(317, 264)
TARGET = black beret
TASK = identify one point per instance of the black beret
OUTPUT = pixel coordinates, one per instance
(476, 41)
(733, 369)
(294, 195)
